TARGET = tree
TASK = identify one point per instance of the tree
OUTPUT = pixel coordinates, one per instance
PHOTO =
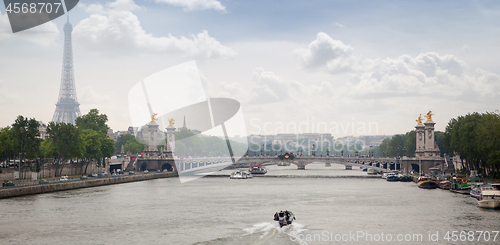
(97, 145)
(67, 142)
(93, 120)
(26, 138)
(6, 144)
(122, 141)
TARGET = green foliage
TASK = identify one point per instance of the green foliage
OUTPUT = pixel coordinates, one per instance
(48, 148)
(93, 120)
(26, 137)
(133, 147)
(476, 138)
(6, 144)
(66, 139)
(130, 144)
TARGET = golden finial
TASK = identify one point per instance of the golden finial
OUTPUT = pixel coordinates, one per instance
(153, 118)
(419, 120)
(171, 122)
(429, 116)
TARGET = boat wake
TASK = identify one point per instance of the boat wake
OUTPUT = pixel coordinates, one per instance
(264, 233)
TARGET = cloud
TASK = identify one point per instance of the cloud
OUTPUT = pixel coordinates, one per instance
(270, 87)
(339, 25)
(114, 29)
(325, 52)
(43, 35)
(192, 5)
(427, 74)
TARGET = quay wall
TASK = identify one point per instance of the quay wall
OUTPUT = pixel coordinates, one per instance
(62, 186)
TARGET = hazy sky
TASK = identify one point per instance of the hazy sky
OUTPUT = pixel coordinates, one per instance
(295, 66)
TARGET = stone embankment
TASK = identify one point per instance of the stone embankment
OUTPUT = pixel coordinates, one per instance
(62, 186)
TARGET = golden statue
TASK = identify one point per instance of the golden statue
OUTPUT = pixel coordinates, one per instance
(171, 122)
(429, 116)
(419, 120)
(153, 118)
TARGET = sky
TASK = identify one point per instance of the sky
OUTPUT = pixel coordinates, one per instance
(340, 67)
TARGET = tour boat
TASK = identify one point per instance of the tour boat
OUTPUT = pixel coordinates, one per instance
(460, 184)
(257, 169)
(283, 164)
(478, 189)
(284, 218)
(240, 175)
(392, 177)
(406, 178)
(426, 183)
(489, 199)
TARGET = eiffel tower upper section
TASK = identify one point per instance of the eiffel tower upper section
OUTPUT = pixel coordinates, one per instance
(67, 107)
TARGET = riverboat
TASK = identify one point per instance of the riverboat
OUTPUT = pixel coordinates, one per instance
(257, 169)
(240, 175)
(284, 218)
(460, 184)
(476, 190)
(489, 199)
(426, 183)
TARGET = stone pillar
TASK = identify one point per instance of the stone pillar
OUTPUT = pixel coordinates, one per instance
(151, 149)
(170, 141)
(429, 136)
(420, 138)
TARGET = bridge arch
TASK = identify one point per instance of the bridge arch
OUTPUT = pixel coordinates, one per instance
(166, 166)
(144, 166)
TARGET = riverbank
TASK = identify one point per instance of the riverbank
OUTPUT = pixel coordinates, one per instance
(63, 186)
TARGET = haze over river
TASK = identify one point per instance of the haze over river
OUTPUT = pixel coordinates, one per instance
(223, 211)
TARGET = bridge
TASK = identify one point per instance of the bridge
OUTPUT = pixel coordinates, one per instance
(192, 166)
(377, 163)
(201, 165)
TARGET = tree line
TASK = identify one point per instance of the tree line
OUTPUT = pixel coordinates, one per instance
(476, 138)
(86, 141)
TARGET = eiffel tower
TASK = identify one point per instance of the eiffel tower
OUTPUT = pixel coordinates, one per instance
(67, 107)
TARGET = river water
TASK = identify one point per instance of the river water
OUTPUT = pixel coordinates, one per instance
(217, 210)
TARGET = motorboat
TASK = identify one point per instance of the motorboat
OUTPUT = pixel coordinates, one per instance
(240, 175)
(444, 184)
(476, 190)
(283, 164)
(257, 169)
(385, 174)
(489, 199)
(328, 164)
(426, 183)
(392, 177)
(371, 171)
(406, 178)
(284, 217)
(460, 184)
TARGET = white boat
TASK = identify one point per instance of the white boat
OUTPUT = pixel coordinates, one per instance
(489, 199)
(240, 175)
(371, 171)
(478, 189)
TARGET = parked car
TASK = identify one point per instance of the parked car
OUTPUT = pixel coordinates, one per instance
(7, 184)
(146, 171)
(131, 172)
(64, 178)
(43, 181)
(114, 175)
(84, 177)
(158, 171)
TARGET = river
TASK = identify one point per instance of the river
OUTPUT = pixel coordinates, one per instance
(216, 210)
